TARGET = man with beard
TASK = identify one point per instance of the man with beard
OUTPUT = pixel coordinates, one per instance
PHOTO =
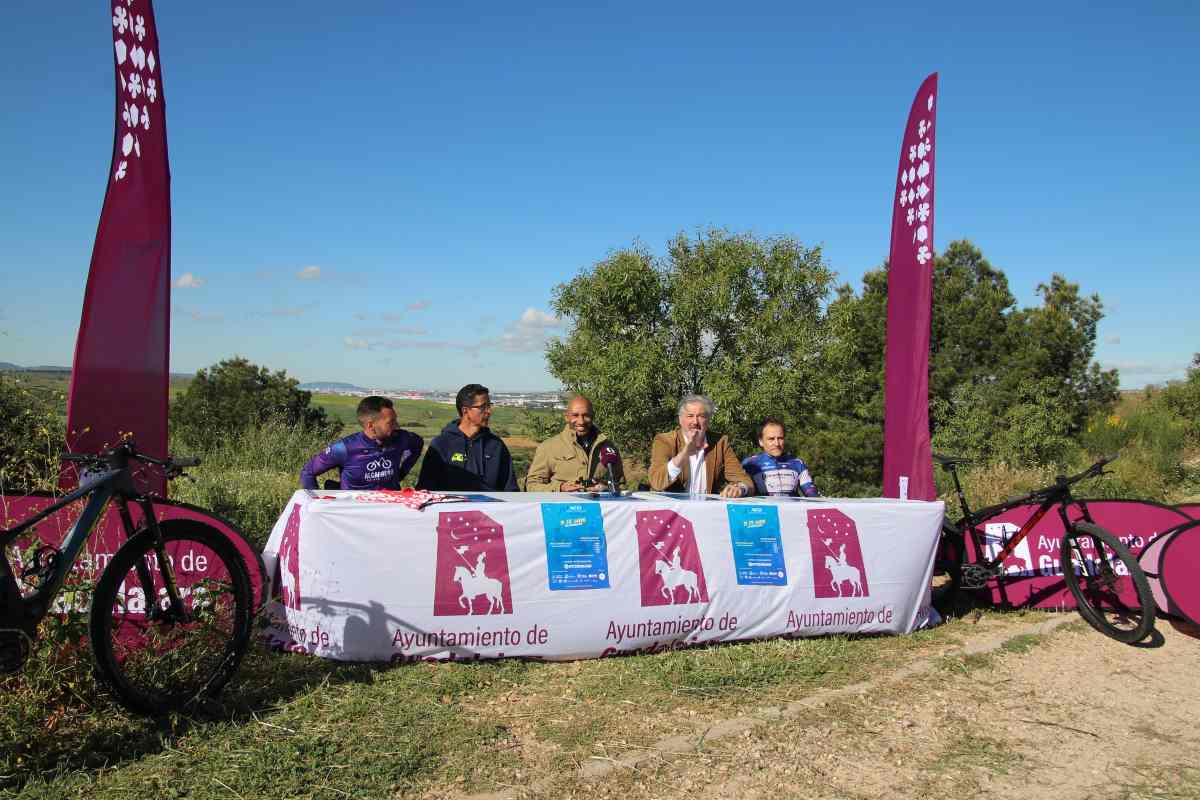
(571, 461)
(378, 457)
(689, 460)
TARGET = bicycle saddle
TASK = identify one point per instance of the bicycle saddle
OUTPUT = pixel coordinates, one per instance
(949, 461)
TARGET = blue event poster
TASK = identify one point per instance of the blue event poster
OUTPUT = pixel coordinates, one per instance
(757, 546)
(576, 550)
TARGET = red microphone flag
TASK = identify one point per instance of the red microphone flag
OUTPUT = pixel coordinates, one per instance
(119, 380)
(907, 465)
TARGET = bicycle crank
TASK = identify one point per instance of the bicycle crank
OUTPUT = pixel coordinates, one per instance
(976, 576)
(15, 645)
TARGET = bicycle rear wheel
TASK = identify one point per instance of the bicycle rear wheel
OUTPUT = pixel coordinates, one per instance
(153, 659)
(1110, 589)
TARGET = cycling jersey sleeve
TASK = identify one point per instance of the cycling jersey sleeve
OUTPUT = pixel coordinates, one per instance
(415, 445)
(329, 458)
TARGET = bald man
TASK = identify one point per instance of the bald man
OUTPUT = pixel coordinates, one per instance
(570, 462)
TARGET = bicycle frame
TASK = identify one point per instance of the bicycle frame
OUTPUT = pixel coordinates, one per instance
(100, 490)
(1059, 495)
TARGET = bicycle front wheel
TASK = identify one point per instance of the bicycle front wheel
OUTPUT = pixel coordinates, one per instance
(1110, 588)
(156, 658)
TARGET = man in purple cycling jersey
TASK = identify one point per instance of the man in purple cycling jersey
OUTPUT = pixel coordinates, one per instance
(376, 458)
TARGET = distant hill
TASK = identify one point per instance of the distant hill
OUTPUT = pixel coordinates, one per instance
(330, 386)
(9, 367)
(65, 372)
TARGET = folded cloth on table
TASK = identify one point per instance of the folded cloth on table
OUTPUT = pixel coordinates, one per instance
(416, 499)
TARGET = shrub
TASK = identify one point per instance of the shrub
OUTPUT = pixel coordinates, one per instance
(32, 433)
(1183, 398)
(1032, 429)
(233, 395)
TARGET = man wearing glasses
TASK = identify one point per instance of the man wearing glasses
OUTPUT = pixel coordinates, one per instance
(466, 455)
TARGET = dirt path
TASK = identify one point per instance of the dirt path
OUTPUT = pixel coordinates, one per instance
(1050, 710)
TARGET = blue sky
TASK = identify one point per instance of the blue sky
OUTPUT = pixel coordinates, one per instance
(387, 194)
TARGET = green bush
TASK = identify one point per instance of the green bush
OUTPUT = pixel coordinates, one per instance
(1031, 429)
(1151, 440)
(32, 432)
(1183, 398)
(235, 394)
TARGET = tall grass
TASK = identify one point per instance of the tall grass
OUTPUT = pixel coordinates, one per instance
(248, 476)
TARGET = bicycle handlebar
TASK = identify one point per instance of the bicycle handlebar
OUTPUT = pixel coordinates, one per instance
(172, 465)
(1090, 472)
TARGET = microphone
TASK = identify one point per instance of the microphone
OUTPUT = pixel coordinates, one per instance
(610, 458)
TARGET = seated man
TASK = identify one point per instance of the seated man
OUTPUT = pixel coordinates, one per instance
(466, 455)
(570, 462)
(686, 459)
(378, 457)
(773, 470)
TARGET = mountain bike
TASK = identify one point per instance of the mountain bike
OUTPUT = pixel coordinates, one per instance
(170, 617)
(1110, 589)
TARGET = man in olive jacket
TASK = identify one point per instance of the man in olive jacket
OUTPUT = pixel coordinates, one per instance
(687, 460)
(565, 462)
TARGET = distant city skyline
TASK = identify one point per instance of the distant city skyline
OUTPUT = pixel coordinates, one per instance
(390, 197)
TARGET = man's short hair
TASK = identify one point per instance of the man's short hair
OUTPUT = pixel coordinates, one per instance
(762, 426)
(584, 398)
(370, 407)
(689, 399)
(466, 396)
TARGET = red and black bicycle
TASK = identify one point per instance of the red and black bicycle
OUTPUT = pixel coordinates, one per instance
(1110, 589)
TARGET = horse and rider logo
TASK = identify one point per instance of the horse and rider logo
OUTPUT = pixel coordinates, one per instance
(471, 576)
(287, 567)
(836, 555)
(671, 571)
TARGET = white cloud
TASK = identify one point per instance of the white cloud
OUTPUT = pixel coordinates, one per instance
(199, 315)
(188, 281)
(1112, 339)
(309, 273)
(1148, 368)
(529, 333)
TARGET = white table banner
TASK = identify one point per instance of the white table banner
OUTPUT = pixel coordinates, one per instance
(359, 577)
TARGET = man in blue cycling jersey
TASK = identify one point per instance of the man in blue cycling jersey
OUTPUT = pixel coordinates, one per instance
(774, 471)
(378, 457)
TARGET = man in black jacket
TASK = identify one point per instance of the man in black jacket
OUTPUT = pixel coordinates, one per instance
(466, 455)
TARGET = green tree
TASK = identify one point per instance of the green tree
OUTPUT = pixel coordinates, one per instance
(729, 315)
(1183, 398)
(1004, 383)
(235, 394)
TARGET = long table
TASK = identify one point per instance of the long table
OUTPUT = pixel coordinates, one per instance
(359, 577)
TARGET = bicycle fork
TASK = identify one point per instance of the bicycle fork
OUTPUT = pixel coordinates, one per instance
(154, 610)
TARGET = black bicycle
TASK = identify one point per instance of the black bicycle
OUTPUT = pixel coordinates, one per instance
(171, 614)
(1110, 589)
